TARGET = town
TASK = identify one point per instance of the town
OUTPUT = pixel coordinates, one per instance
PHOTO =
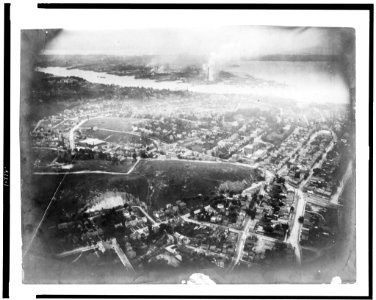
(302, 163)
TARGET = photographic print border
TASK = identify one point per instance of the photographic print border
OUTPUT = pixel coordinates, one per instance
(168, 6)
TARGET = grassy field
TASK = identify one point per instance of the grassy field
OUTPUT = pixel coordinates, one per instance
(112, 123)
(102, 165)
(174, 180)
(112, 137)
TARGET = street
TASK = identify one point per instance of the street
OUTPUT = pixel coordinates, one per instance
(294, 237)
(241, 242)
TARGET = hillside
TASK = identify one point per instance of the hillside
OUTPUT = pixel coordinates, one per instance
(172, 180)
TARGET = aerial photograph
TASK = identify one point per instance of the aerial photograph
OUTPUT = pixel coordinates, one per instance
(221, 155)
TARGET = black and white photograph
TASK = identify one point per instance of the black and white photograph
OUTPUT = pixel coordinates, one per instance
(196, 155)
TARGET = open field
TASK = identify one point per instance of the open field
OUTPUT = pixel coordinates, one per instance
(112, 123)
(175, 179)
(112, 137)
(102, 165)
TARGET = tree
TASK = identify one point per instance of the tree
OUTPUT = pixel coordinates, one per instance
(301, 219)
(268, 229)
(252, 213)
(143, 154)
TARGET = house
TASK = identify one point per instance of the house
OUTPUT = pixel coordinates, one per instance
(221, 207)
(182, 205)
(215, 219)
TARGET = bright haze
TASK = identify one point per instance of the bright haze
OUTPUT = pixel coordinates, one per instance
(309, 61)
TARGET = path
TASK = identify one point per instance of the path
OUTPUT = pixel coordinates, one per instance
(78, 250)
(80, 172)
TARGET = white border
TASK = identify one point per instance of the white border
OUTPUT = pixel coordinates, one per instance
(26, 16)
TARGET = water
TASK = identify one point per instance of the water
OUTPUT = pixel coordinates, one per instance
(301, 81)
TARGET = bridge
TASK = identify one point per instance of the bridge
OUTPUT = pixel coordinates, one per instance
(123, 258)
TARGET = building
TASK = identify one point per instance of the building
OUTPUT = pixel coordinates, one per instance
(91, 142)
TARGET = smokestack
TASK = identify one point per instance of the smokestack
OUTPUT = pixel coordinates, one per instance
(210, 74)
(209, 71)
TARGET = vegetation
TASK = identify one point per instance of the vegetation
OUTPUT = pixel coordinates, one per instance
(173, 180)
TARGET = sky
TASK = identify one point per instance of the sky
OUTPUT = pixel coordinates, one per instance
(224, 42)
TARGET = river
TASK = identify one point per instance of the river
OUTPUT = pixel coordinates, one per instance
(308, 81)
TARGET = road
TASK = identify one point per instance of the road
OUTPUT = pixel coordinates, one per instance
(134, 166)
(241, 242)
(71, 134)
(294, 237)
(36, 126)
(123, 258)
(146, 214)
